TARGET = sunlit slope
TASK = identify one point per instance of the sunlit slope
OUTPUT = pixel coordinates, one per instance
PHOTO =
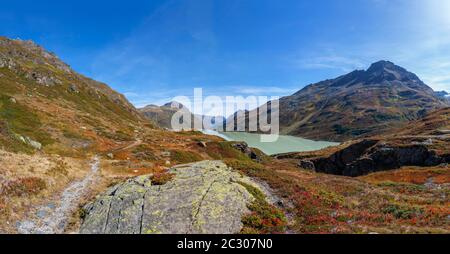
(43, 101)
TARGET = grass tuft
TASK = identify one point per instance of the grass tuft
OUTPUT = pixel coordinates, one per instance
(184, 156)
(161, 178)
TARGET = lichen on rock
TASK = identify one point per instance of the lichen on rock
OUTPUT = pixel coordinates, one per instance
(203, 197)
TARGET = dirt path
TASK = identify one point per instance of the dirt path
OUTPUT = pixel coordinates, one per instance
(52, 218)
(134, 144)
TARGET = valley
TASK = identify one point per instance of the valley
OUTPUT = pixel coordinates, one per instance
(384, 168)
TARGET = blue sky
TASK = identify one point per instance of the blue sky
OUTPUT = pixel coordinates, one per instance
(154, 50)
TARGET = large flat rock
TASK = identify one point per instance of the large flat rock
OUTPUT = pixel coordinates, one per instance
(204, 197)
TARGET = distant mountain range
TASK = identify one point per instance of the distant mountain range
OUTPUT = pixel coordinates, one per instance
(358, 104)
(161, 115)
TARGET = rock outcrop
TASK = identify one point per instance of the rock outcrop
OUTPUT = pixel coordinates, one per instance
(250, 152)
(27, 140)
(203, 197)
(370, 156)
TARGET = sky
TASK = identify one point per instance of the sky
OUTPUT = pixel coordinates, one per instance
(154, 50)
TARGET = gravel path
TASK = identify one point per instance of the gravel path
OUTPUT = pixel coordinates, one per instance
(52, 218)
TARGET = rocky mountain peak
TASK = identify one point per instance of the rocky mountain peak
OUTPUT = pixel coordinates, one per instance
(382, 71)
(174, 104)
(379, 73)
(382, 65)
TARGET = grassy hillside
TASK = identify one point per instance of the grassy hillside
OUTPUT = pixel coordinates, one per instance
(43, 100)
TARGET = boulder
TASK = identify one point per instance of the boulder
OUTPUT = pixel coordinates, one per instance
(27, 140)
(306, 164)
(202, 144)
(73, 89)
(36, 145)
(244, 148)
(166, 154)
(204, 197)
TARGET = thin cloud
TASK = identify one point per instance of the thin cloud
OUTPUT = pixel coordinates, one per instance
(342, 63)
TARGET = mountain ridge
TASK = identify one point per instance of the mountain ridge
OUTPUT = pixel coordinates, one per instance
(358, 104)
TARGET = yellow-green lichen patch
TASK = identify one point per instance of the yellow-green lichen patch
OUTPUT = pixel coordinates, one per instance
(203, 197)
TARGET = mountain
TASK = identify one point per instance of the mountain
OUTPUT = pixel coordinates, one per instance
(162, 115)
(76, 156)
(358, 104)
(46, 105)
(444, 96)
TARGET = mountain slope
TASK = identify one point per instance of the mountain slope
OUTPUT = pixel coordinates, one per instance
(43, 101)
(358, 104)
(434, 123)
(162, 115)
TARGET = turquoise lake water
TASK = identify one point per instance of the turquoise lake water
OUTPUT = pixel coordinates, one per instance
(284, 144)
